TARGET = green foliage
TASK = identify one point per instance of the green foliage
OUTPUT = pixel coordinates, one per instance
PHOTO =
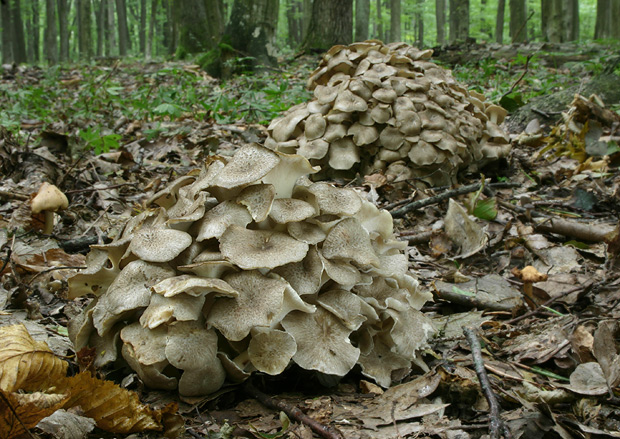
(93, 139)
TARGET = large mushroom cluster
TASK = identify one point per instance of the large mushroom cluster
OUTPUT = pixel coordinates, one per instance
(387, 108)
(246, 265)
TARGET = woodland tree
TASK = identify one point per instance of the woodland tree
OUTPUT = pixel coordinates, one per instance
(331, 23)
(123, 30)
(362, 19)
(17, 27)
(395, 13)
(142, 28)
(440, 20)
(499, 22)
(560, 20)
(200, 24)
(148, 50)
(84, 29)
(7, 31)
(459, 20)
(518, 17)
(51, 48)
(33, 32)
(63, 29)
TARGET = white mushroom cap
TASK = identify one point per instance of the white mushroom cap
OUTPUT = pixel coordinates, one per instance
(287, 210)
(251, 249)
(304, 276)
(257, 199)
(345, 305)
(215, 222)
(322, 342)
(315, 126)
(348, 240)
(193, 348)
(193, 286)
(249, 164)
(259, 302)
(271, 350)
(48, 198)
(153, 244)
(343, 154)
(335, 201)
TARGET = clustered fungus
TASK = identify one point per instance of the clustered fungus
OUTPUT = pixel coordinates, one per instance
(249, 266)
(387, 108)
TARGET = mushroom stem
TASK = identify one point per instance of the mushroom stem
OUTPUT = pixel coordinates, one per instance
(49, 222)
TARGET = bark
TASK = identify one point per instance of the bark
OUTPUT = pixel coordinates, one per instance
(603, 26)
(170, 28)
(419, 16)
(518, 17)
(545, 13)
(111, 32)
(7, 34)
(307, 16)
(51, 48)
(395, 12)
(440, 21)
(100, 22)
(63, 29)
(362, 19)
(292, 23)
(123, 30)
(18, 39)
(570, 18)
(554, 25)
(200, 25)
(459, 20)
(499, 22)
(484, 25)
(33, 32)
(148, 49)
(142, 30)
(379, 31)
(331, 23)
(84, 30)
(252, 31)
(615, 16)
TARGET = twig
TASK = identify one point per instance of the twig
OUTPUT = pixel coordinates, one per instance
(322, 430)
(527, 62)
(541, 308)
(93, 189)
(445, 195)
(496, 425)
(522, 26)
(14, 195)
(583, 232)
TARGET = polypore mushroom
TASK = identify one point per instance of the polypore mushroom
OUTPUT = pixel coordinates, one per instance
(238, 273)
(49, 199)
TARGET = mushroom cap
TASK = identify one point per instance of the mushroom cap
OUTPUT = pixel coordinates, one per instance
(348, 240)
(48, 198)
(215, 222)
(496, 113)
(258, 199)
(287, 210)
(531, 274)
(250, 163)
(193, 286)
(251, 249)
(322, 342)
(155, 244)
(271, 350)
(335, 201)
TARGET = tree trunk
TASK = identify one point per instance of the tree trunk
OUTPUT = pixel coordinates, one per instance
(142, 29)
(18, 39)
(148, 49)
(63, 29)
(554, 24)
(291, 21)
(603, 26)
(440, 21)
(306, 17)
(51, 48)
(331, 23)
(7, 34)
(395, 12)
(171, 28)
(459, 20)
(570, 19)
(252, 31)
(33, 30)
(518, 16)
(362, 19)
(200, 25)
(84, 30)
(545, 13)
(615, 15)
(499, 22)
(419, 17)
(123, 30)
(100, 22)
(379, 29)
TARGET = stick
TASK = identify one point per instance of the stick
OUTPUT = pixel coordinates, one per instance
(445, 195)
(496, 425)
(583, 232)
(322, 430)
(527, 62)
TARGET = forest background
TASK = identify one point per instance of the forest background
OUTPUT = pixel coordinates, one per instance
(36, 31)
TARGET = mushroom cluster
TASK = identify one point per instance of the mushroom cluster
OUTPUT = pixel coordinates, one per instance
(387, 108)
(246, 265)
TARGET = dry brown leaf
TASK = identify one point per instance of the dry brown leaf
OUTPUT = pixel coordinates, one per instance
(26, 364)
(31, 366)
(19, 412)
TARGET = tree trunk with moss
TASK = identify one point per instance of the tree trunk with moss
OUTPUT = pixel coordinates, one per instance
(200, 25)
(518, 16)
(331, 24)
(251, 32)
(362, 18)
(395, 13)
(459, 20)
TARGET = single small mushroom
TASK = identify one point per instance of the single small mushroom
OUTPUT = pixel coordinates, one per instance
(529, 275)
(49, 199)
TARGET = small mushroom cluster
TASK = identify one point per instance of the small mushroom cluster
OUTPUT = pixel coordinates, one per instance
(388, 108)
(246, 265)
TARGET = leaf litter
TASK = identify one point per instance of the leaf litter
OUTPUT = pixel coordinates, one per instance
(549, 347)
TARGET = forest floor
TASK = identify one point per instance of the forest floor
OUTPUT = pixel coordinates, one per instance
(111, 136)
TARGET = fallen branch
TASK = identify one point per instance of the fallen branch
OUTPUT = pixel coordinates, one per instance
(580, 231)
(414, 205)
(471, 301)
(322, 430)
(526, 68)
(497, 428)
